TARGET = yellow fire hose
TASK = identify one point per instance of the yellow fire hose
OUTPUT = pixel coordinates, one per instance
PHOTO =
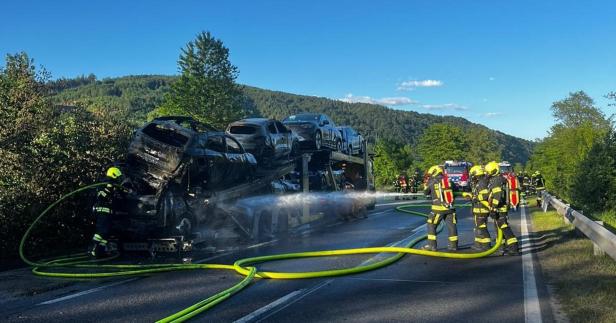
(244, 267)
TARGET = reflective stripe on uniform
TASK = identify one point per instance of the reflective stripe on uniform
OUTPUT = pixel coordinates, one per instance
(97, 237)
(497, 190)
(505, 225)
(480, 210)
(439, 208)
(436, 218)
(102, 209)
(453, 238)
(495, 202)
(455, 220)
(429, 221)
(511, 240)
(482, 240)
(483, 226)
(503, 209)
(431, 237)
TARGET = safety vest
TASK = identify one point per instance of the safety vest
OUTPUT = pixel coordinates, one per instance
(513, 191)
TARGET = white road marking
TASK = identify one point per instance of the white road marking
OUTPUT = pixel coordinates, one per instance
(297, 295)
(86, 292)
(285, 301)
(532, 310)
(252, 316)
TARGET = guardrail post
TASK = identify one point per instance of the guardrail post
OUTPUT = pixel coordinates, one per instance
(544, 201)
(596, 250)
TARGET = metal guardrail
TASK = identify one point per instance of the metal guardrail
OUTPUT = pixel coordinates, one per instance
(601, 237)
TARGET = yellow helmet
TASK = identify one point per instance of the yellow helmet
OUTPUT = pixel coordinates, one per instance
(476, 171)
(114, 172)
(492, 168)
(435, 170)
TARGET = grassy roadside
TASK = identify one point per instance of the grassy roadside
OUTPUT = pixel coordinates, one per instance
(585, 285)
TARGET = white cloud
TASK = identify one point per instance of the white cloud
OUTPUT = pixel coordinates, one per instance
(412, 84)
(401, 100)
(446, 106)
(492, 114)
(491, 78)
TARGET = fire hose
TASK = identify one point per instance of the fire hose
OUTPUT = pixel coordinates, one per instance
(245, 267)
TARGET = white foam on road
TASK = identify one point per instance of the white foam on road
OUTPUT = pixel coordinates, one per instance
(532, 310)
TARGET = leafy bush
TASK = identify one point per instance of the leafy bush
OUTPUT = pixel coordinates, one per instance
(46, 151)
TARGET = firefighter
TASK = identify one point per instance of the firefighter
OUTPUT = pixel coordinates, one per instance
(481, 207)
(497, 199)
(439, 190)
(539, 185)
(103, 211)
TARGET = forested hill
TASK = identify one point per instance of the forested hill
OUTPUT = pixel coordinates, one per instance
(135, 96)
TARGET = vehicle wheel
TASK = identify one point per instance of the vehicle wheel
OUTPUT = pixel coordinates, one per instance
(318, 141)
(339, 145)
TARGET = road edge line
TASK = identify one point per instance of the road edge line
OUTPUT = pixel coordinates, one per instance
(532, 309)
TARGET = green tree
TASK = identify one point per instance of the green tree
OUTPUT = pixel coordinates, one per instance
(46, 151)
(206, 89)
(441, 142)
(579, 126)
(482, 146)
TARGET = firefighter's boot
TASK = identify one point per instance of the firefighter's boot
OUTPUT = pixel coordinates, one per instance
(430, 246)
(452, 246)
(98, 247)
(512, 249)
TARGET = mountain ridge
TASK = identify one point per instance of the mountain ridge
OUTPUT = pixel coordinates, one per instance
(137, 95)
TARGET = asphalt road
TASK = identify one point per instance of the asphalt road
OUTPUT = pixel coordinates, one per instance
(416, 288)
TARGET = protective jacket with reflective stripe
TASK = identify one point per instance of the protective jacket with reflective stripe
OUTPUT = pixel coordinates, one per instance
(435, 190)
(480, 195)
(498, 191)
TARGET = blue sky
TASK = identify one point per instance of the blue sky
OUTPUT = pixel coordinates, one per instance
(499, 63)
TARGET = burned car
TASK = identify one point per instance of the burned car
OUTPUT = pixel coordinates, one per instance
(315, 131)
(266, 139)
(171, 162)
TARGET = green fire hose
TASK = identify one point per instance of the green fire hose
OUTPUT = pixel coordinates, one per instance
(83, 262)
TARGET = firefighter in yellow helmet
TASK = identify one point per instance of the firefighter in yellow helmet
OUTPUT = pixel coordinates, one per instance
(539, 185)
(481, 207)
(103, 211)
(497, 199)
(439, 190)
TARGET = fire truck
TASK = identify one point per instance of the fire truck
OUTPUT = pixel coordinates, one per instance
(457, 171)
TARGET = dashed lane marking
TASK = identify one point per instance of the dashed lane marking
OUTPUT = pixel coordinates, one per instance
(278, 305)
(86, 292)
